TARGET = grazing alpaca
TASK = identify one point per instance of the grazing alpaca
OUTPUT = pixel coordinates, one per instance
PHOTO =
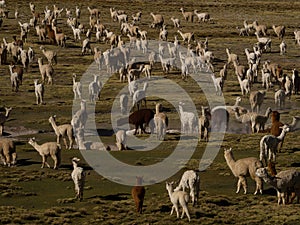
(3, 118)
(64, 130)
(190, 179)
(121, 140)
(269, 145)
(78, 176)
(178, 197)
(161, 122)
(242, 168)
(138, 194)
(141, 118)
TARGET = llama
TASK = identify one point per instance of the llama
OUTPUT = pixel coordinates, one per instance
(178, 197)
(242, 168)
(138, 194)
(78, 176)
(244, 85)
(46, 70)
(269, 145)
(64, 130)
(47, 149)
(258, 121)
(190, 179)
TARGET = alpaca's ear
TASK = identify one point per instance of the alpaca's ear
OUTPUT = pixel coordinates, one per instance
(54, 116)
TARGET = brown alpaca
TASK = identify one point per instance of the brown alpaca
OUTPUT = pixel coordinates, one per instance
(138, 194)
(275, 128)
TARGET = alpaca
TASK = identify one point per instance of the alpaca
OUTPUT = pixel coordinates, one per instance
(138, 194)
(269, 145)
(80, 117)
(188, 120)
(139, 96)
(242, 168)
(161, 122)
(3, 119)
(203, 124)
(121, 140)
(39, 92)
(256, 99)
(190, 179)
(178, 197)
(140, 118)
(8, 153)
(64, 130)
(47, 149)
(94, 89)
(78, 176)
(77, 87)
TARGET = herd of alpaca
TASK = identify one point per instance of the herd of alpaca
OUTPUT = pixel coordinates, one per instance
(210, 120)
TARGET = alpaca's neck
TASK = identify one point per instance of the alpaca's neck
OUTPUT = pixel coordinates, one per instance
(55, 127)
(36, 146)
(230, 161)
(75, 165)
(282, 135)
(237, 103)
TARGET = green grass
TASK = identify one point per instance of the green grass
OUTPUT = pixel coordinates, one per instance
(31, 195)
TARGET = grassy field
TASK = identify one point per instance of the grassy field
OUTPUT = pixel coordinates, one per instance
(31, 195)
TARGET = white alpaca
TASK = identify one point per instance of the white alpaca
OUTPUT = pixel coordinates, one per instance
(123, 103)
(80, 117)
(78, 176)
(188, 120)
(39, 92)
(94, 89)
(121, 140)
(191, 180)
(139, 96)
(77, 87)
(244, 85)
(178, 197)
(269, 145)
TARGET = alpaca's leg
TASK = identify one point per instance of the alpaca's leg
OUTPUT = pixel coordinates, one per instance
(172, 210)
(70, 136)
(239, 183)
(8, 159)
(43, 161)
(176, 209)
(244, 184)
(14, 158)
(55, 161)
(65, 142)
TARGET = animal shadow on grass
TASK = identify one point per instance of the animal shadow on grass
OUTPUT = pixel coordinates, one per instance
(115, 197)
(26, 162)
(105, 132)
(270, 191)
